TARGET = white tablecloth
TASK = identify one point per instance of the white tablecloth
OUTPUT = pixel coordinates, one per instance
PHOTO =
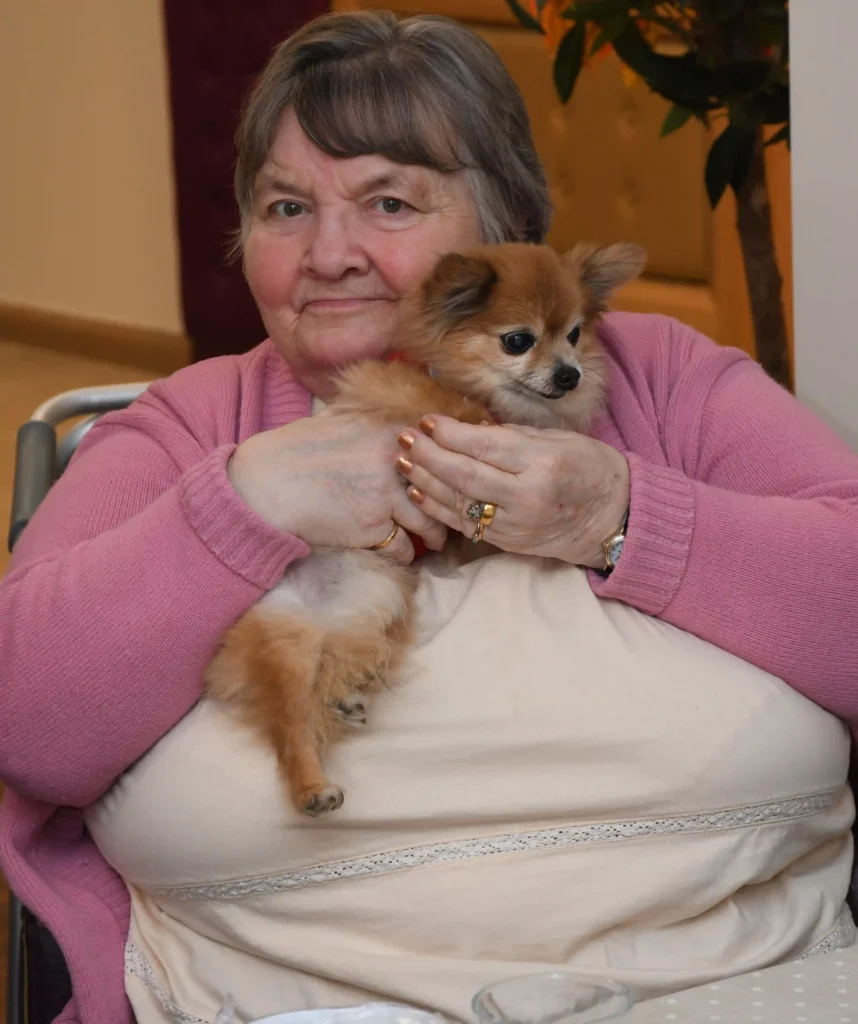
(820, 990)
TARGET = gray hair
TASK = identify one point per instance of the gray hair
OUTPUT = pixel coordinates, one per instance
(423, 90)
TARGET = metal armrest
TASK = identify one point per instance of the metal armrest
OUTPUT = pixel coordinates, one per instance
(38, 462)
(35, 461)
(82, 401)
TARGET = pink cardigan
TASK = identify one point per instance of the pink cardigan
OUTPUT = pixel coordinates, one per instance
(744, 530)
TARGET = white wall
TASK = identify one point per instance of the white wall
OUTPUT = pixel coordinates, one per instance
(86, 187)
(824, 73)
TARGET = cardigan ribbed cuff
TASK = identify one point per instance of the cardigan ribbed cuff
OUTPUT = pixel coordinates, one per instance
(240, 539)
(655, 552)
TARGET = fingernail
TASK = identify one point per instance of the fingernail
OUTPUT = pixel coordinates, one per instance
(404, 466)
(416, 496)
(427, 425)
(405, 440)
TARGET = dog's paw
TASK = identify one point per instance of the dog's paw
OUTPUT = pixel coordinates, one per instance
(323, 801)
(351, 711)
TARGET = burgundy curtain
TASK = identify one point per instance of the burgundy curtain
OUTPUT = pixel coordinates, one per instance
(215, 50)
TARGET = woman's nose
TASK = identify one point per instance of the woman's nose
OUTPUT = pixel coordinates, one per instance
(334, 247)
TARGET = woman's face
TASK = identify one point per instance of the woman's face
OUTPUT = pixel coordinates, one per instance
(334, 244)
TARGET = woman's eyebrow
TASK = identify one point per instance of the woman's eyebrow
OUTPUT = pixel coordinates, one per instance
(272, 183)
(379, 182)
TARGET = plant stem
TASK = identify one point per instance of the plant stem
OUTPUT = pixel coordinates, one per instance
(754, 223)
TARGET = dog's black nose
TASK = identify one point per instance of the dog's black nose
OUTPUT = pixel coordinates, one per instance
(566, 377)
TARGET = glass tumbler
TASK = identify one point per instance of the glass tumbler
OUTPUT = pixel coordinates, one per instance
(559, 997)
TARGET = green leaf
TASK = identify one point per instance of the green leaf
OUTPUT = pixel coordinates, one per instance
(611, 28)
(682, 80)
(568, 61)
(524, 16)
(782, 135)
(729, 161)
(724, 10)
(675, 119)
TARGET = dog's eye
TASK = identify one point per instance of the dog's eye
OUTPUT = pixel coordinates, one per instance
(518, 342)
(573, 336)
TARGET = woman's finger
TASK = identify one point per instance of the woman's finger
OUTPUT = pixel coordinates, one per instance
(399, 549)
(430, 485)
(413, 519)
(467, 479)
(543, 432)
(443, 513)
(522, 428)
(496, 446)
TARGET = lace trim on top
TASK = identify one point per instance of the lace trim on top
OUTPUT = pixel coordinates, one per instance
(137, 963)
(842, 936)
(522, 842)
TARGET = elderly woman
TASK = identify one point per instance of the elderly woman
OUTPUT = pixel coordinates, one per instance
(628, 763)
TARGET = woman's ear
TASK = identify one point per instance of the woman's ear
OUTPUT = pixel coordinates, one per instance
(459, 287)
(603, 268)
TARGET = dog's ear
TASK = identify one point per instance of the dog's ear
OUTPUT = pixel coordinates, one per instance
(459, 287)
(603, 268)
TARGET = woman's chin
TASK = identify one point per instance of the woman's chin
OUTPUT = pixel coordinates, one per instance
(339, 340)
(352, 349)
(316, 359)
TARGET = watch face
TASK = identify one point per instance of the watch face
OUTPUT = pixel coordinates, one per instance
(615, 550)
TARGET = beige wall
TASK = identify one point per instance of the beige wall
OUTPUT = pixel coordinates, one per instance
(86, 196)
(825, 208)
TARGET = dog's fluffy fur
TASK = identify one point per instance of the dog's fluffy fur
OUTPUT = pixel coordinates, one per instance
(340, 623)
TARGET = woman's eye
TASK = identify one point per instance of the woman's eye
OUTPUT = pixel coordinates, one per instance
(573, 336)
(285, 208)
(518, 342)
(390, 205)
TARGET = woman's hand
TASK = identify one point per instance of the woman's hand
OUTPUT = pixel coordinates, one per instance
(558, 494)
(330, 480)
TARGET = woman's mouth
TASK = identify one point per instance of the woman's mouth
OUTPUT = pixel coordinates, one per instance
(341, 305)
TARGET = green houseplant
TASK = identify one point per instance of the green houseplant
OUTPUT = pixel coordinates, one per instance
(720, 61)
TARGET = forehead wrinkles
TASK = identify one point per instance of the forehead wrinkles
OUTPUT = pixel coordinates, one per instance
(350, 176)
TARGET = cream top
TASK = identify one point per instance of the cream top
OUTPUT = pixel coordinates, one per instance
(563, 780)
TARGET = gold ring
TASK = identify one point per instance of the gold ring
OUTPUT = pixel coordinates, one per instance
(387, 540)
(487, 513)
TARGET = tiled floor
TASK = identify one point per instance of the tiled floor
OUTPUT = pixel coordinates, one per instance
(27, 377)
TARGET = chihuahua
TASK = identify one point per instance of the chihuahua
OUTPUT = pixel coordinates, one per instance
(501, 334)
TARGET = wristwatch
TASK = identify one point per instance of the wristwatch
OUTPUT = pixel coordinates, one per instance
(612, 547)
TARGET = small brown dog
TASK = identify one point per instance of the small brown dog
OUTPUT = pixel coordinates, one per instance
(508, 333)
